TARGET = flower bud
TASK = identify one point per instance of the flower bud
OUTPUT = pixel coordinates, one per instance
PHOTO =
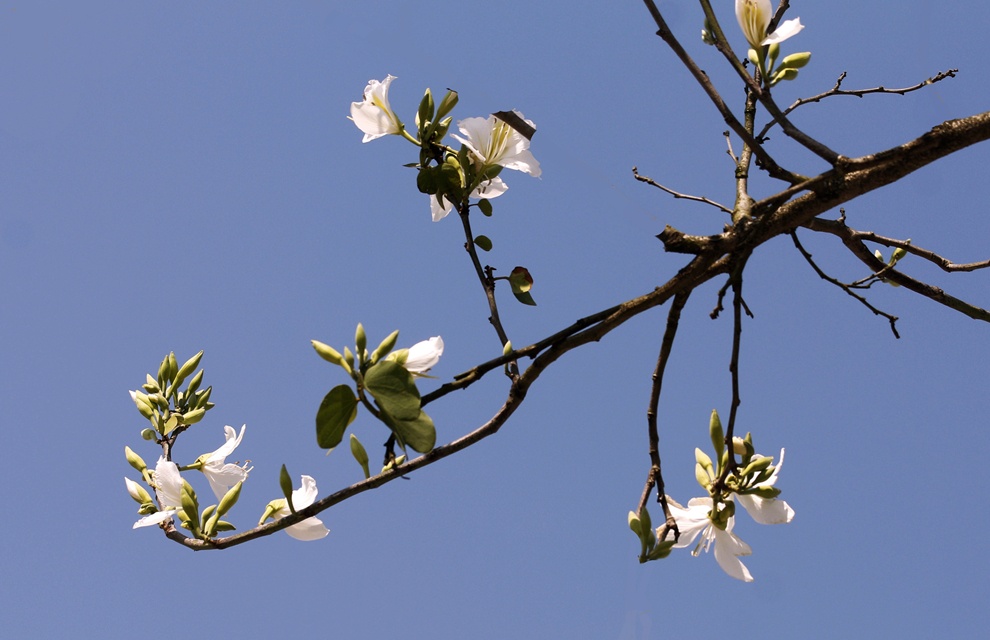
(135, 460)
(360, 339)
(149, 434)
(229, 499)
(359, 453)
(136, 491)
(385, 347)
(795, 60)
(716, 433)
(328, 353)
(143, 404)
(634, 523)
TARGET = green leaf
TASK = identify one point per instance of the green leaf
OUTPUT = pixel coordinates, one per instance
(426, 180)
(393, 389)
(418, 433)
(525, 298)
(285, 483)
(485, 206)
(336, 412)
(484, 243)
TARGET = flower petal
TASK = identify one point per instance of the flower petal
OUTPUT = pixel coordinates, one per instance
(784, 31)
(424, 355)
(155, 518)
(727, 547)
(308, 529)
(374, 115)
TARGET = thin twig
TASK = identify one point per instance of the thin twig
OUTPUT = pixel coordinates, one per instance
(683, 196)
(859, 93)
(655, 475)
(847, 288)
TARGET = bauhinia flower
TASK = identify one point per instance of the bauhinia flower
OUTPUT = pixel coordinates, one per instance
(493, 142)
(695, 520)
(305, 495)
(223, 475)
(488, 189)
(421, 357)
(754, 19)
(767, 510)
(373, 115)
(168, 487)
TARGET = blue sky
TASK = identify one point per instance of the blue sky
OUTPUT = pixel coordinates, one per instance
(180, 176)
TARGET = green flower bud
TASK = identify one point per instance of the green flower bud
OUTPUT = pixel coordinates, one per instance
(195, 382)
(795, 60)
(143, 404)
(899, 253)
(229, 499)
(187, 368)
(348, 359)
(661, 551)
(360, 339)
(634, 524)
(194, 416)
(764, 492)
(702, 476)
(758, 463)
(716, 433)
(784, 74)
(754, 57)
(134, 460)
(385, 347)
(271, 509)
(328, 353)
(359, 453)
(149, 434)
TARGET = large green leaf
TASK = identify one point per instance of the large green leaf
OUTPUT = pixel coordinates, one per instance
(393, 389)
(418, 433)
(337, 411)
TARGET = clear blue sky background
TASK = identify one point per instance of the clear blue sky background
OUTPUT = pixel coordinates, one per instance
(182, 176)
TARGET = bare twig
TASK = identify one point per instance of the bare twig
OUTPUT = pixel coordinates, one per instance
(859, 93)
(656, 184)
(861, 251)
(847, 288)
(655, 475)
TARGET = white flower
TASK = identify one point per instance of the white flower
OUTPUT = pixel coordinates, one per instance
(310, 528)
(421, 357)
(493, 142)
(768, 510)
(168, 488)
(489, 189)
(695, 520)
(223, 476)
(754, 18)
(373, 115)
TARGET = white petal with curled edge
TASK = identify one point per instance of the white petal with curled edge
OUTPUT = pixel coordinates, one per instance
(727, 549)
(784, 31)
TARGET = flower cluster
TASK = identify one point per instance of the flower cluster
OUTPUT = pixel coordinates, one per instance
(710, 519)
(491, 144)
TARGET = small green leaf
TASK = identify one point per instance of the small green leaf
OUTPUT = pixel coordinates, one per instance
(525, 298)
(484, 243)
(336, 412)
(285, 483)
(485, 206)
(393, 389)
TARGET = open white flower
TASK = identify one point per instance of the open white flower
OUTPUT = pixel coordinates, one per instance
(489, 189)
(493, 142)
(168, 488)
(694, 520)
(310, 528)
(421, 357)
(373, 115)
(767, 510)
(754, 19)
(223, 475)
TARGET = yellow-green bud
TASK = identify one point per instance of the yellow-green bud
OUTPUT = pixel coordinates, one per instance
(754, 57)
(634, 523)
(385, 347)
(143, 404)
(135, 460)
(716, 433)
(360, 339)
(795, 60)
(194, 416)
(187, 368)
(702, 476)
(899, 253)
(758, 463)
(149, 434)
(229, 499)
(328, 353)
(359, 453)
